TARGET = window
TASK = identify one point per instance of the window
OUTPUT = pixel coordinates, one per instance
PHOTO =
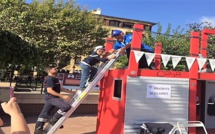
(127, 25)
(117, 89)
(128, 33)
(114, 23)
(106, 22)
(120, 24)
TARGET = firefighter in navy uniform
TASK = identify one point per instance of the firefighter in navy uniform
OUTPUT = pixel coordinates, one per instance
(53, 98)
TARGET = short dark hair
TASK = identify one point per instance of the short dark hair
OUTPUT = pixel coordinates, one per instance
(49, 68)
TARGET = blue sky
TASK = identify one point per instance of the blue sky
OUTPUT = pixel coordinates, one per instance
(175, 12)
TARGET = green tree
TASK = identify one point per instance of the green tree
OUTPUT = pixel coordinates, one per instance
(174, 42)
(57, 29)
(15, 51)
(211, 38)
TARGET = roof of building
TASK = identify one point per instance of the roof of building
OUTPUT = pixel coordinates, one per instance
(128, 20)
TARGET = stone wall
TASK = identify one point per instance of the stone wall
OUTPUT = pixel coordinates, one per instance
(32, 103)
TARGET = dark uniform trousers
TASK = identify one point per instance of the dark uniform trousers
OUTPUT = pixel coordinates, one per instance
(52, 101)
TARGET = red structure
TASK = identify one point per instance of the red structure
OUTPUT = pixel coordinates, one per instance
(116, 102)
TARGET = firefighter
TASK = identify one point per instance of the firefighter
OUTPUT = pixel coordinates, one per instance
(123, 42)
(53, 98)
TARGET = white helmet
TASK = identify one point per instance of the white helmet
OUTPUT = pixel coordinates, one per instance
(98, 47)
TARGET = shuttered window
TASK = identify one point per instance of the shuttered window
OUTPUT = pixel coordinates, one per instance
(117, 89)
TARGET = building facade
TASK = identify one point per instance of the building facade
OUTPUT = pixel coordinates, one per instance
(112, 23)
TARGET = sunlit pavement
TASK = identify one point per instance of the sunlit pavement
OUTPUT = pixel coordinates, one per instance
(78, 124)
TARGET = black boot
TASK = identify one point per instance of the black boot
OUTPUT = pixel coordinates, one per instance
(39, 130)
(53, 121)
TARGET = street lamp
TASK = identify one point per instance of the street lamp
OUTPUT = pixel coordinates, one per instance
(11, 71)
(73, 68)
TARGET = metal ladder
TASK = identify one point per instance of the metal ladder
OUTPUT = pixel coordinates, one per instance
(183, 126)
(76, 101)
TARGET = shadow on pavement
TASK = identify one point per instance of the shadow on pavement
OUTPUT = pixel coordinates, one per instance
(90, 132)
(1, 132)
(22, 90)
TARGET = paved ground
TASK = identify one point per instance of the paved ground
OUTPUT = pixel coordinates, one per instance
(83, 124)
(77, 124)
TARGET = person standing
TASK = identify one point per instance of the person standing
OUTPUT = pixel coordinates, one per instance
(53, 98)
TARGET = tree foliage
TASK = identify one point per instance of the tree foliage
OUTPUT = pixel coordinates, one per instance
(58, 30)
(47, 31)
(198, 27)
(174, 42)
(15, 50)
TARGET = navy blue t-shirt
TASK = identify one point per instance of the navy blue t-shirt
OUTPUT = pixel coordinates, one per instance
(94, 58)
(53, 83)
